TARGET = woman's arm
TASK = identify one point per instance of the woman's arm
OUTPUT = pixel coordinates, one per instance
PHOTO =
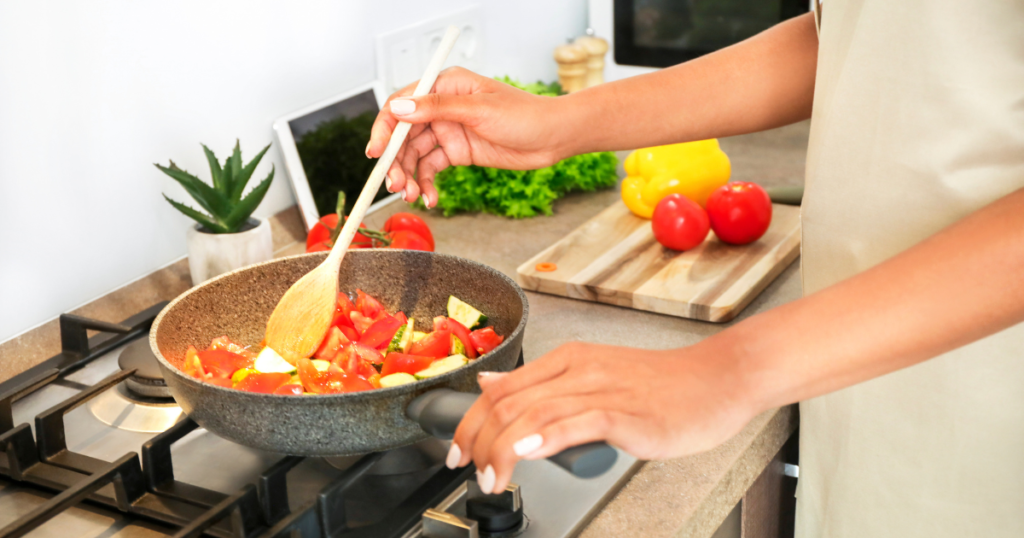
(763, 82)
(958, 286)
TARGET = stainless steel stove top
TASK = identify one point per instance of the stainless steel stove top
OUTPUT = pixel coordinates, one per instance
(251, 492)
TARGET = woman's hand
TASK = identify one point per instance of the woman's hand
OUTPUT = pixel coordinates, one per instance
(652, 404)
(468, 119)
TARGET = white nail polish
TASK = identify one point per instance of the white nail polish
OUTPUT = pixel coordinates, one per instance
(527, 445)
(403, 194)
(454, 456)
(486, 479)
(367, 152)
(402, 107)
(426, 203)
(387, 182)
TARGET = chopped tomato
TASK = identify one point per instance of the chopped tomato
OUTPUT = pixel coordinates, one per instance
(332, 344)
(349, 333)
(369, 306)
(360, 321)
(374, 381)
(358, 360)
(193, 366)
(219, 381)
(484, 340)
(402, 362)
(353, 383)
(401, 317)
(224, 343)
(462, 333)
(290, 389)
(220, 362)
(436, 345)
(379, 335)
(265, 383)
(342, 314)
(317, 382)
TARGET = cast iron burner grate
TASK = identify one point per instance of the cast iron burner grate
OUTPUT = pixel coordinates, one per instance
(145, 486)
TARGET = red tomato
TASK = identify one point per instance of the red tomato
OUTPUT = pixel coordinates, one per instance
(345, 359)
(319, 238)
(222, 363)
(290, 389)
(317, 382)
(740, 212)
(224, 343)
(352, 383)
(219, 381)
(462, 333)
(342, 311)
(332, 344)
(379, 335)
(263, 383)
(402, 362)
(407, 240)
(349, 333)
(679, 223)
(193, 366)
(360, 321)
(435, 345)
(367, 305)
(411, 223)
(401, 317)
(484, 340)
(374, 380)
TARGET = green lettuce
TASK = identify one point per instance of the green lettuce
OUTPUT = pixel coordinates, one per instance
(522, 193)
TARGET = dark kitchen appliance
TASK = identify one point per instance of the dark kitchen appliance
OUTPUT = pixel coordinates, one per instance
(662, 33)
(84, 453)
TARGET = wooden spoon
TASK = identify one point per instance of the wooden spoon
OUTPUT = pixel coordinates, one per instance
(302, 317)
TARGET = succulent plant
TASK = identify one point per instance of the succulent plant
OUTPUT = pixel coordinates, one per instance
(228, 210)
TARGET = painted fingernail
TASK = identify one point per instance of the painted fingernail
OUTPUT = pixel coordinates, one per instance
(486, 479)
(426, 202)
(454, 456)
(368, 150)
(402, 107)
(527, 445)
(387, 182)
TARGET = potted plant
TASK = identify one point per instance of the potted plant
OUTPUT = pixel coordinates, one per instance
(226, 237)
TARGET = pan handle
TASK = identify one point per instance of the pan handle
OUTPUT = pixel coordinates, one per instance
(439, 411)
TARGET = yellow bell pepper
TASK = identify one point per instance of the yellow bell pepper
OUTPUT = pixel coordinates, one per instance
(692, 169)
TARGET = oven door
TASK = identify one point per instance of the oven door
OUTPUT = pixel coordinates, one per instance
(661, 33)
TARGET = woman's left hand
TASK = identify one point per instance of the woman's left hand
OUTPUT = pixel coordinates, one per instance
(652, 404)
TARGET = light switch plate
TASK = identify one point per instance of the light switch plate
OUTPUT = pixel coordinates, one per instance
(403, 54)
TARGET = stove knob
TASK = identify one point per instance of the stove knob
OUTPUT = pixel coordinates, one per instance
(438, 524)
(495, 513)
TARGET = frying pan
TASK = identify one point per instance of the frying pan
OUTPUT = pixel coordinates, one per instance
(238, 304)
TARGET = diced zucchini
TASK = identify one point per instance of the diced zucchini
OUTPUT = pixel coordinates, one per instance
(418, 335)
(442, 366)
(321, 365)
(465, 314)
(241, 374)
(402, 339)
(394, 380)
(458, 348)
(269, 362)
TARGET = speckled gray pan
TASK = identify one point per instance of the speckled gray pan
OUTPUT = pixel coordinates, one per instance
(237, 304)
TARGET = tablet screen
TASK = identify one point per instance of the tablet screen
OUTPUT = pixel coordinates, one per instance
(331, 143)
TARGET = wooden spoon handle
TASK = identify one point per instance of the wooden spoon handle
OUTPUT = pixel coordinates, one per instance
(348, 232)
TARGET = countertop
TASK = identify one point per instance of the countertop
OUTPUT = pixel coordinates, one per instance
(682, 497)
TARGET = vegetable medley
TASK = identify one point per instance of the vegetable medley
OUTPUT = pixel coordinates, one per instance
(365, 348)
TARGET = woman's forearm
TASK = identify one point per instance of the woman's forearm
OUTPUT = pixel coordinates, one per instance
(958, 286)
(763, 82)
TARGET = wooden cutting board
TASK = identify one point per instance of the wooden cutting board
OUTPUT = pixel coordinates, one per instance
(613, 258)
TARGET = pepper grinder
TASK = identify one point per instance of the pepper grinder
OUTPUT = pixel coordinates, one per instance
(596, 49)
(572, 66)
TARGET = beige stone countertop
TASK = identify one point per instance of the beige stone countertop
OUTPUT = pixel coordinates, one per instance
(682, 497)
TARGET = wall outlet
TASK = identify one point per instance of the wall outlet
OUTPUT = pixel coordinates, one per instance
(403, 54)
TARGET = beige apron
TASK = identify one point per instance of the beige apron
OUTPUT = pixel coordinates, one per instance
(918, 121)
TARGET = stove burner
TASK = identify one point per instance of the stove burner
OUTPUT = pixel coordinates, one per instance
(148, 380)
(120, 408)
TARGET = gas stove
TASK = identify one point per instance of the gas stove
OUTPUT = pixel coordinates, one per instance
(92, 444)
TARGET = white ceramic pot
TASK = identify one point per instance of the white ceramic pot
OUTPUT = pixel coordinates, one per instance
(211, 254)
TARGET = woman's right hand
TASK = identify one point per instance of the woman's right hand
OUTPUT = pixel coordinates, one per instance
(468, 119)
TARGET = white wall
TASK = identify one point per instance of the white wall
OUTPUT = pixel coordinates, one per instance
(93, 93)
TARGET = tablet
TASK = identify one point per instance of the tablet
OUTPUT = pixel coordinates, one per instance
(323, 146)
